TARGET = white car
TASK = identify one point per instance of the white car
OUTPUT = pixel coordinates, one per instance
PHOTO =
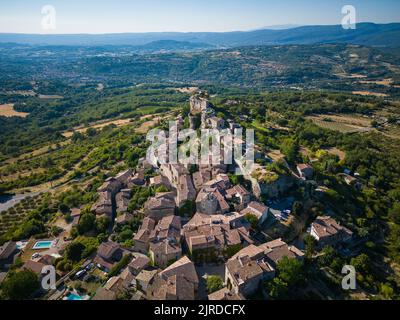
(35, 255)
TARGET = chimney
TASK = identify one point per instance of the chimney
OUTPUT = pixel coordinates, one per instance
(240, 261)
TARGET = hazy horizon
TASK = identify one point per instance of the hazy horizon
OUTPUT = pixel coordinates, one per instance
(273, 28)
(122, 16)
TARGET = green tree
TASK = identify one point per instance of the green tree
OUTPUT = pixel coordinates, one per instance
(214, 283)
(86, 223)
(297, 208)
(394, 213)
(328, 254)
(188, 209)
(91, 132)
(289, 148)
(63, 208)
(125, 234)
(278, 289)
(102, 224)
(290, 275)
(310, 243)
(77, 136)
(290, 271)
(361, 263)
(20, 285)
(386, 291)
(120, 265)
(74, 251)
(252, 219)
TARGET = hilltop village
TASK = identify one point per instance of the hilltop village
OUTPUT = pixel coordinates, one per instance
(201, 231)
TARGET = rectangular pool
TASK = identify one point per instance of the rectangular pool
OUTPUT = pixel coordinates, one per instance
(42, 245)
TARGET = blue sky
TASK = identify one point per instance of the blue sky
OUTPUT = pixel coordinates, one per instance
(112, 16)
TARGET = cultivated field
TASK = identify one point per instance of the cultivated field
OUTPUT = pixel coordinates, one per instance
(384, 82)
(342, 123)
(369, 93)
(118, 123)
(7, 110)
(187, 89)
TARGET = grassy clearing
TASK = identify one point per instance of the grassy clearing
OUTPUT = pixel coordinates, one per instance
(259, 126)
(335, 151)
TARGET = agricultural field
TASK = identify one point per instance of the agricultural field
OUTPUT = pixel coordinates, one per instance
(7, 110)
(100, 125)
(342, 123)
(369, 93)
(12, 217)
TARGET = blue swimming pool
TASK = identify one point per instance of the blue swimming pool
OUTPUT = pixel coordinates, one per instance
(42, 245)
(73, 296)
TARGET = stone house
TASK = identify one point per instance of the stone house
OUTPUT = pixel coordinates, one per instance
(161, 205)
(328, 232)
(142, 237)
(108, 254)
(211, 201)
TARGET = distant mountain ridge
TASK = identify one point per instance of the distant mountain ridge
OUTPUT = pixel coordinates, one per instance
(366, 34)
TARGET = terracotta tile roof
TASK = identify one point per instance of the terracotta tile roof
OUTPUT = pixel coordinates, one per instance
(185, 189)
(103, 294)
(277, 249)
(225, 294)
(213, 230)
(102, 262)
(326, 226)
(107, 249)
(142, 235)
(257, 206)
(7, 249)
(146, 275)
(36, 267)
(200, 178)
(183, 267)
(159, 202)
(167, 227)
(221, 182)
(243, 269)
(165, 247)
(124, 218)
(148, 224)
(237, 190)
(159, 180)
(176, 287)
(139, 263)
(251, 251)
(221, 200)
